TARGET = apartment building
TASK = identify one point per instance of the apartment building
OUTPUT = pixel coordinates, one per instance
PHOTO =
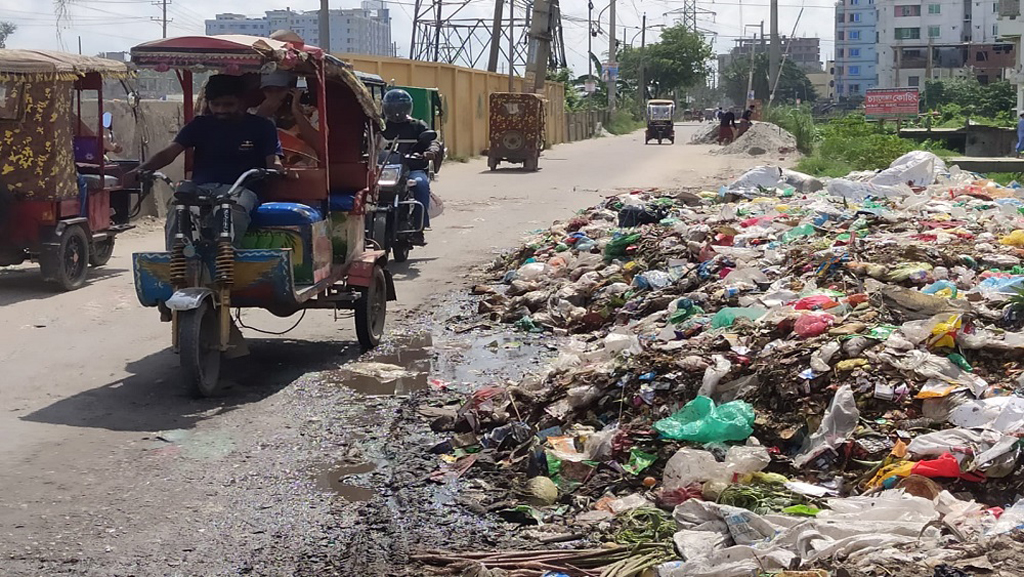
(856, 57)
(1011, 28)
(804, 52)
(364, 30)
(932, 39)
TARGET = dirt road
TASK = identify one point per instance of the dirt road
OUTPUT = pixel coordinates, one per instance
(111, 468)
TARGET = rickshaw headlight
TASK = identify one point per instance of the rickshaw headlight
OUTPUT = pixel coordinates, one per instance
(389, 176)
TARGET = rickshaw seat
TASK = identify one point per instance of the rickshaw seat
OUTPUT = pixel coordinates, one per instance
(88, 149)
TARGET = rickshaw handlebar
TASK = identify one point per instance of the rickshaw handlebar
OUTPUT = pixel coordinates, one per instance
(245, 176)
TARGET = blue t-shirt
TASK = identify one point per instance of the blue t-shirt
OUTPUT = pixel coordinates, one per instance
(224, 149)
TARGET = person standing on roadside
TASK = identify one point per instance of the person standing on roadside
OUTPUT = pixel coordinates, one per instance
(727, 122)
(747, 120)
(1020, 135)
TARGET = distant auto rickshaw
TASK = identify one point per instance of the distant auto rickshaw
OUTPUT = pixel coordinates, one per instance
(305, 248)
(660, 121)
(61, 201)
(517, 128)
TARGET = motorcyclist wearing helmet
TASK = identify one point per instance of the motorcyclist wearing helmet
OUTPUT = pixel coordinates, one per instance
(401, 125)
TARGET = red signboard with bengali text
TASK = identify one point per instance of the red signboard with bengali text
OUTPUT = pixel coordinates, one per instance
(891, 103)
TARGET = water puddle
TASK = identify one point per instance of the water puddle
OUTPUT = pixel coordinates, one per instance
(401, 368)
(505, 356)
(334, 478)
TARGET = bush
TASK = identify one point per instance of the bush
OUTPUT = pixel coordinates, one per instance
(798, 121)
(851, 143)
(623, 122)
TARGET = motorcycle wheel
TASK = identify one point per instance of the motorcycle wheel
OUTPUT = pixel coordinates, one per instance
(199, 348)
(371, 310)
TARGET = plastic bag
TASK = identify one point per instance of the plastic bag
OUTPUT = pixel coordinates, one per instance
(616, 343)
(617, 246)
(943, 334)
(813, 324)
(701, 421)
(532, 271)
(436, 206)
(727, 316)
(689, 466)
(919, 167)
(759, 176)
(839, 423)
(1015, 238)
(861, 190)
(713, 375)
(820, 358)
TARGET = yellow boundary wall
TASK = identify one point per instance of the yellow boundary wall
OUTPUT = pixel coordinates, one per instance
(465, 91)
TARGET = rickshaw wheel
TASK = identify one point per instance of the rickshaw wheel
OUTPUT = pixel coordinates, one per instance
(101, 252)
(371, 310)
(400, 251)
(530, 164)
(199, 348)
(380, 231)
(71, 265)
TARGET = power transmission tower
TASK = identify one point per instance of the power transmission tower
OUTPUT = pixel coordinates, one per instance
(441, 34)
(688, 15)
(163, 20)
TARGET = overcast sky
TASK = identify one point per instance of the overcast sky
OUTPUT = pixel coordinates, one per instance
(114, 25)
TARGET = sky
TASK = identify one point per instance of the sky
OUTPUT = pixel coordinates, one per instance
(115, 25)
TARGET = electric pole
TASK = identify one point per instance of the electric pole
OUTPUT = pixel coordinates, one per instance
(325, 25)
(590, 53)
(511, 47)
(163, 17)
(643, 46)
(775, 52)
(492, 61)
(612, 64)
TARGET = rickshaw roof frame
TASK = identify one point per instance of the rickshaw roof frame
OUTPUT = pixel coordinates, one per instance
(238, 54)
(37, 65)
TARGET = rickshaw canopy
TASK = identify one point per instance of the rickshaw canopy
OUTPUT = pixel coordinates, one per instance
(49, 64)
(238, 54)
(660, 109)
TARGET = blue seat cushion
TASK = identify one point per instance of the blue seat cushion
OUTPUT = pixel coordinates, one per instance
(285, 214)
(343, 201)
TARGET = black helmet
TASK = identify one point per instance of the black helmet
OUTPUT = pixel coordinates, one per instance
(397, 105)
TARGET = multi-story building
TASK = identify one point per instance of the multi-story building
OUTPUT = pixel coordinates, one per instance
(1011, 29)
(804, 52)
(364, 30)
(920, 40)
(824, 82)
(856, 56)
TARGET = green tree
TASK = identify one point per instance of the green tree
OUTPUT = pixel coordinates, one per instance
(970, 98)
(6, 29)
(793, 82)
(677, 61)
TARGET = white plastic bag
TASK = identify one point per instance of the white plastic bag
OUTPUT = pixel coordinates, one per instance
(763, 176)
(689, 466)
(839, 423)
(436, 207)
(919, 167)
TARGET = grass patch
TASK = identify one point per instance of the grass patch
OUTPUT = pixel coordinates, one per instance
(797, 121)
(623, 122)
(1005, 178)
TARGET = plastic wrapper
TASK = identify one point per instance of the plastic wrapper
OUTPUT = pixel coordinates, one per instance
(727, 316)
(713, 375)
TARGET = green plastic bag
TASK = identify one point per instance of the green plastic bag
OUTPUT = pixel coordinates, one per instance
(638, 461)
(617, 246)
(700, 421)
(727, 316)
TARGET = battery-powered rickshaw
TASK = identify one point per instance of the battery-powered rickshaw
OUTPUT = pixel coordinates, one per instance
(660, 121)
(305, 248)
(61, 201)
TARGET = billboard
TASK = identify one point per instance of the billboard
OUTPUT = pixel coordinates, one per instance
(891, 103)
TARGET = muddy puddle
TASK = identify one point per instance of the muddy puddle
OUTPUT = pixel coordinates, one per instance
(407, 363)
(337, 479)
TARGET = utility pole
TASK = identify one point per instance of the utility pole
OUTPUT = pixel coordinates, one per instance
(590, 52)
(511, 46)
(324, 22)
(492, 62)
(643, 46)
(539, 52)
(611, 55)
(775, 54)
(163, 17)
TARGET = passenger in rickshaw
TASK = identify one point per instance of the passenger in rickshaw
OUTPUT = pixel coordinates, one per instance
(226, 143)
(401, 125)
(296, 122)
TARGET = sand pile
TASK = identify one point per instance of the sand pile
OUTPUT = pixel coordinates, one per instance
(761, 138)
(706, 134)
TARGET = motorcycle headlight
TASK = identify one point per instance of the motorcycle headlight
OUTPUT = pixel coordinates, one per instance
(389, 176)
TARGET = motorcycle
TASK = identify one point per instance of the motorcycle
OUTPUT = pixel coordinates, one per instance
(392, 221)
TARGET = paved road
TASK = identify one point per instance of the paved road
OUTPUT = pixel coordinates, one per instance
(87, 376)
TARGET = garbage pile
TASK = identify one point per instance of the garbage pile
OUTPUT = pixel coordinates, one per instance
(782, 374)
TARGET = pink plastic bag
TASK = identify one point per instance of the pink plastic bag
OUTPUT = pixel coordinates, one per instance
(813, 324)
(815, 302)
